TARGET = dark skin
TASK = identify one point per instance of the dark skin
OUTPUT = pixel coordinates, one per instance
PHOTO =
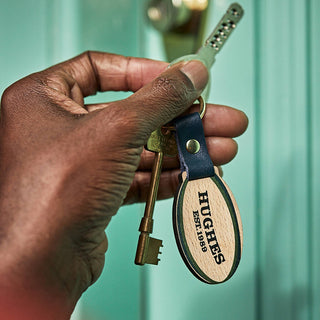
(66, 168)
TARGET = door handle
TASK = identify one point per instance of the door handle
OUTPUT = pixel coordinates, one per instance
(181, 23)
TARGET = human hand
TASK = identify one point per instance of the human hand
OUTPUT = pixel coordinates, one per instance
(66, 167)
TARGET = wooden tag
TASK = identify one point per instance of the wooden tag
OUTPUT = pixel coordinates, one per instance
(208, 228)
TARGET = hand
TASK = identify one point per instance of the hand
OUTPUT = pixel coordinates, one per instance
(67, 167)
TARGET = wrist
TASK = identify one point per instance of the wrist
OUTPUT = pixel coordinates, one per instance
(32, 251)
(30, 302)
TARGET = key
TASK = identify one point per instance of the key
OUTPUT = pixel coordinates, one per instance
(148, 247)
(214, 43)
(206, 219)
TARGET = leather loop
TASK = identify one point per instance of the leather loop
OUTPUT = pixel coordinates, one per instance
(197, 165)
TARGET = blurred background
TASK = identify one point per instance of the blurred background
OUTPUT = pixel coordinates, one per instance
(270, 69)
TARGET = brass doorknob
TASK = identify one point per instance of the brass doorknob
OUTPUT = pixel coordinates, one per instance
(166, 15)
(180, 21)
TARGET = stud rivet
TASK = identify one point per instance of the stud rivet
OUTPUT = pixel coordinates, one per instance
(193, 146)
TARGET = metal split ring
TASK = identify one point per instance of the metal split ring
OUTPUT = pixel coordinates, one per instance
(203, 107)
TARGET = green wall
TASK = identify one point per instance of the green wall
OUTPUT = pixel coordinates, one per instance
(269, 69)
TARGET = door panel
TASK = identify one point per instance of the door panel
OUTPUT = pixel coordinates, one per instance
(269, 69)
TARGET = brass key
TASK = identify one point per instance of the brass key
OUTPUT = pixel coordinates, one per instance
(148, 247)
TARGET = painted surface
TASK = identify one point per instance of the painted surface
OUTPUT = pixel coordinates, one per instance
(270, 69)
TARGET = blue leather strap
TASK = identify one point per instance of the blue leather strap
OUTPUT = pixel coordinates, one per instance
(197, 165)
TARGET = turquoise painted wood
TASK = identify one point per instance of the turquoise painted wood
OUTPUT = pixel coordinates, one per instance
(313, 101)
(270, 69)
(114, 27)
(183, 296)
(21, 54)
(282, 198)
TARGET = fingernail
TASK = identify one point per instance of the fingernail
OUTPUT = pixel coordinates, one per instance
(197, 73)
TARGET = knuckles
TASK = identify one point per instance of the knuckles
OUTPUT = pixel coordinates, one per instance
(20, 96)
(9, 96)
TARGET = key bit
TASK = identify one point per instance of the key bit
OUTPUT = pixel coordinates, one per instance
(148, 250)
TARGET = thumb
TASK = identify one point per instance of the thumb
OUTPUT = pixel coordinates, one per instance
(167, 96)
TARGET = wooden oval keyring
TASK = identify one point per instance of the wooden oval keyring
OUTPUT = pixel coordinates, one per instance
(206, 218)
(208, 228)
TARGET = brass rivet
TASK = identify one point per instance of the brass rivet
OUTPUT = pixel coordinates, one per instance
(193, 146)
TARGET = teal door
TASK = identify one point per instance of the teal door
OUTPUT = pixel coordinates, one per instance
(269, 69)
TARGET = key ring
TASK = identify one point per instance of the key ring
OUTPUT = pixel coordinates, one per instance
(202, 111)
(203, 107)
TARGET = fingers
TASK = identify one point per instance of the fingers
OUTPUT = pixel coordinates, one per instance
(98, 71)
(219, 120)
(223, 121)
(138, 191)
(156, 103)
(96, 106)
(165, 97)
(221, 150)
(169, 182)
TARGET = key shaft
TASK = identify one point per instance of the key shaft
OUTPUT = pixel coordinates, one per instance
(148, 248)
(146, 225)
(162, 145)
(154, 185)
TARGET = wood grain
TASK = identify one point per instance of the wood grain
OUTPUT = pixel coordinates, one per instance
(208, 228)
